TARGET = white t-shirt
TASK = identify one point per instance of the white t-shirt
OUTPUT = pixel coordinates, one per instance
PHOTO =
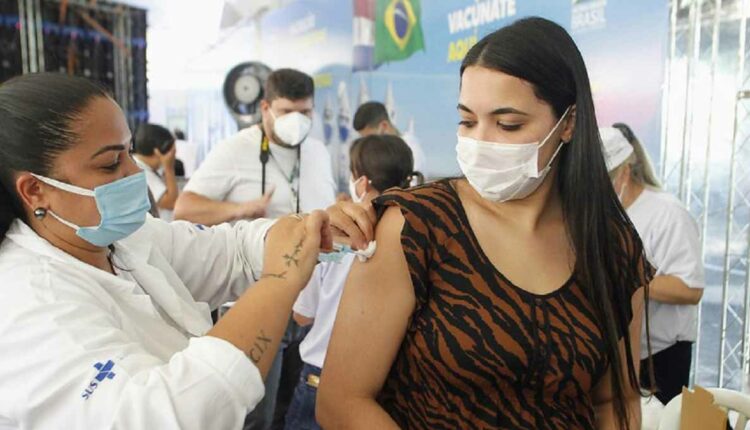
(233, 172)
(671, 239)
(187, 152)
(320, 300)
(157, 187)
(155, 182)
(420, 160)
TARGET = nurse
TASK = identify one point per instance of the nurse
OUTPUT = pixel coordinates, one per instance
(104, 314)
(671, 241)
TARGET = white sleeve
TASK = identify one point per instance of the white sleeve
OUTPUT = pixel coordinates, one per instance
(677, 248)
(318, 189)
(67, 361)
(216, 176)
(307, 301)
(156, 185)
(217, 264)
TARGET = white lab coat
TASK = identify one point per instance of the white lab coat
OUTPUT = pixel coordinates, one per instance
(81, 348)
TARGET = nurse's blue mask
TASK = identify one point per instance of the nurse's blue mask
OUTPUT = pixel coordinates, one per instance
(123, 205)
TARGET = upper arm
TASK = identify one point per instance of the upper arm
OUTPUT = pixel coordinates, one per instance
(602, 396)
(372, 319)
(635, 274)
(302, 320)
(217, 264)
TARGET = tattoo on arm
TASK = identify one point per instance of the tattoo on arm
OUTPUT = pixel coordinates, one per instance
(281, 275)
(260, 346)
(293, 258)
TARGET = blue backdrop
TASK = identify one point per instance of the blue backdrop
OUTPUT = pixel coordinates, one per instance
(623, 43)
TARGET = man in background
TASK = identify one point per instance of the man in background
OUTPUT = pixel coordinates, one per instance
(269, 170)
(372, 118)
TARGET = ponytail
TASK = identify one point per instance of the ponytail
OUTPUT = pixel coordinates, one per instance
(641, 168)
(409, 181)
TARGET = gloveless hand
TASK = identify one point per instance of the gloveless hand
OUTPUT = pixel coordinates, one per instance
(293, 245)
(353, 223)
(167, 159)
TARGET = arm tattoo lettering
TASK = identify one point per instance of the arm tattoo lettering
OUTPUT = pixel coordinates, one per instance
(260, 347)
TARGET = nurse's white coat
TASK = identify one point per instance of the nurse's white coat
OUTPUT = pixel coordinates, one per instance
(81, 348)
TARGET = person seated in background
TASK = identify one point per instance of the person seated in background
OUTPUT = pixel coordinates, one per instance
(378, 163)
(372, 118)
(671, 239)
(154, 153)
(187, 151)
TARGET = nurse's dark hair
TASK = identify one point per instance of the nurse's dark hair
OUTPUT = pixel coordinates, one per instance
(542, 53)
(386, 160)
(37, 112)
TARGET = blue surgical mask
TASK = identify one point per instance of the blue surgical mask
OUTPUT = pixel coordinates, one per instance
(123, 205)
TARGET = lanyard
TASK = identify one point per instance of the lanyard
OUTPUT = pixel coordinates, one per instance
(265, 155)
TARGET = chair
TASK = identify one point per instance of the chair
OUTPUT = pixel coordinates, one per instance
(727, 399)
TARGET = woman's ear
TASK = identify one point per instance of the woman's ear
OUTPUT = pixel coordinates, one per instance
(31, 192)
(570, 125)
(383, 127)
(363, 185)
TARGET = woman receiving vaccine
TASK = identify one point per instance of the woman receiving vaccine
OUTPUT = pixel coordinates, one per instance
(511, 298)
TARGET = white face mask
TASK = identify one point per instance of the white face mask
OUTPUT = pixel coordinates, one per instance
(353, 191)
(291, 128)
(504, 171)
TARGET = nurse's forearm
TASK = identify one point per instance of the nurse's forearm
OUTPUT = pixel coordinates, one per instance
(671, 289)
(202, 210)
(257, 321)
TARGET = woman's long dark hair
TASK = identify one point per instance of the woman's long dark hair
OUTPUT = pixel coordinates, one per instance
(37, 112)
(543, 54)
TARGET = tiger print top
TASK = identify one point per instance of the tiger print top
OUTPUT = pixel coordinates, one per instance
(480, 352)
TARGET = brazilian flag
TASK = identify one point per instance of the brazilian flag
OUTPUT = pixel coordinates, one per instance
(398, 30)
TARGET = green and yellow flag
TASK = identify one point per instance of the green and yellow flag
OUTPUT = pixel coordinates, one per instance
(398, 30)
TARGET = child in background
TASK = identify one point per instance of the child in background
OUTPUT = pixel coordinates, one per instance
(378, 162)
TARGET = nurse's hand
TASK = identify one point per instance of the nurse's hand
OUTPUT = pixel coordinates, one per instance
(353, 223)
(293, 245)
